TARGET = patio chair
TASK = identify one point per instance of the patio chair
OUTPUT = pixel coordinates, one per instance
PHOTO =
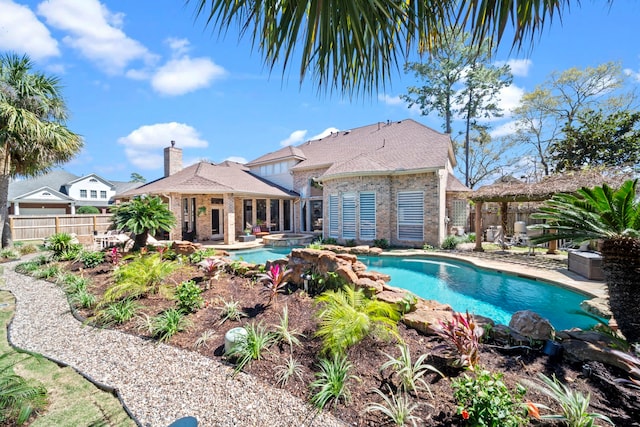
(258, 232)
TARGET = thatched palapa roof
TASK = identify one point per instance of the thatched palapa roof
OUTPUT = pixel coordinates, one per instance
(568, 182)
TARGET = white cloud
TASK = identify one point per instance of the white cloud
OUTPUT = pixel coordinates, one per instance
(96, 32)
(178, 46)
(184, 75)
(633, 74)
(504, 130)
(295, 137)
(143, 146)
(328, 131)
(21, 31)
(390, 100)
(236, 159)
(509, 98)
(519, 67)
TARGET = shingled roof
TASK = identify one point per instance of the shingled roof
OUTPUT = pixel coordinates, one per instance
(209, 178)
(378, 148)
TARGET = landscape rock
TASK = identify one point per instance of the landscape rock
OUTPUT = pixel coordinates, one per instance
(583, 351)
(347, 274)
(531, 325)
(183, 247)
(598, 307)
(425, 320)
(371, 287)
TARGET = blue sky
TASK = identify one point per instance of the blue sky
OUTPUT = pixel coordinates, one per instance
(138, 74)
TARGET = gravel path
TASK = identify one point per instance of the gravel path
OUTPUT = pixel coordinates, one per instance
(158, 383)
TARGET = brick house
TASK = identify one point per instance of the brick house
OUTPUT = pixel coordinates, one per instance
(388, 181)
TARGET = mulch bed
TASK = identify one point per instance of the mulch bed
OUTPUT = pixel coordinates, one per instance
(438, 409)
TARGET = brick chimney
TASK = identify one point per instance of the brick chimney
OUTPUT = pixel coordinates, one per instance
(172, 159)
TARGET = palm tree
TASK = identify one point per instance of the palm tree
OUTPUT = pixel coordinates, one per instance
(613, 216)
(354, 45)
(143, 216)
(33, 134)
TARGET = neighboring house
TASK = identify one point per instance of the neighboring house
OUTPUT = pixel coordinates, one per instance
(388, 181)
(60, 192)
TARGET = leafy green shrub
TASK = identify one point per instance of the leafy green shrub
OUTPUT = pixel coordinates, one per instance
(397, 408)
(381, 243)
(9, 253)
(574, 404)
(84, 210)
(18, 398)
(331, 382)
(471, 237)
(237, 267)
(346, 316)
(70, 254)
(91, 259)
(189, 296)
(463, 334)
(428, 247)
(251, 347)
(59, 243)
(450, 242)
(484, 400)
(411, 375)
(118, 312)
(144, 275)
(330, 241)
(166, 324)
(73, 283)
(351, 243)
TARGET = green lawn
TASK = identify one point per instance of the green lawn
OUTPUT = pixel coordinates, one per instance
(73, 401)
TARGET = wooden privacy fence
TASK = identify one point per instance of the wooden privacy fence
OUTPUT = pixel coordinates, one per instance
(39, 227)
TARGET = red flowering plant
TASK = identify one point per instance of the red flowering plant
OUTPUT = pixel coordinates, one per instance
(115, 256)
(273, 281)
(463, 335)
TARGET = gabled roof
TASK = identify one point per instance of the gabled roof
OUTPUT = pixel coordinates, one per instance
(402, 146)
(55, 179)
(91, 175)
(288, 152)
(209, 178)
(59, 195)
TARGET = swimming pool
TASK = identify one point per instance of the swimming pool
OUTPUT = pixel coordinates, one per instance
(465, 287)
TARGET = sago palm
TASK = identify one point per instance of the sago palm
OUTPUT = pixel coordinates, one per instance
(347, 316)
(613, 216)
(355, 45)
(33, 133)
(143, 216)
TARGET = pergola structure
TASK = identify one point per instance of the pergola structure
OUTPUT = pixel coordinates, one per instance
(518, 191)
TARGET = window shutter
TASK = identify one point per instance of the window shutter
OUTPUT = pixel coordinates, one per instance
(367, 216)
(349, 216)
(334, 227)
(411, 215)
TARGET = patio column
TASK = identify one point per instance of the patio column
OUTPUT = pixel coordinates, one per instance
(553, 244)
(478, 247)
(229, 220)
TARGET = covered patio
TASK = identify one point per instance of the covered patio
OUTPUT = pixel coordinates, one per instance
(514, 190)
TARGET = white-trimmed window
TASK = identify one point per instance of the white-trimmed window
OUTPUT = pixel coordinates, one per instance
(94, 194)
(411, 215)
(103, 194)
(83, 194)
(334, 221)
(367, 216)
(348, 216)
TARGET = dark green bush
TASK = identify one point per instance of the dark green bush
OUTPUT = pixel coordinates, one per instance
(91, 259)
(189, 298)
(381, 243)
(450, 242)
(83, 210)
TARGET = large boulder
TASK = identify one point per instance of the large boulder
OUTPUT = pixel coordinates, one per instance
(598, 307)
(182, 247)
(531, 325)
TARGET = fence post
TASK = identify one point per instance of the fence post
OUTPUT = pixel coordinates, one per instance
(57, 225)
(11, 226)
(95, 223)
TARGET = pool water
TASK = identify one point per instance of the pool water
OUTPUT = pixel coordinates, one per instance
(464, 287)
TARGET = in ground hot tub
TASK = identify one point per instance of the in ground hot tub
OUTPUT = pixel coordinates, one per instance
(284, 240)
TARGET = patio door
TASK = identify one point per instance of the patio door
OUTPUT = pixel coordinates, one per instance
(217, 224)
